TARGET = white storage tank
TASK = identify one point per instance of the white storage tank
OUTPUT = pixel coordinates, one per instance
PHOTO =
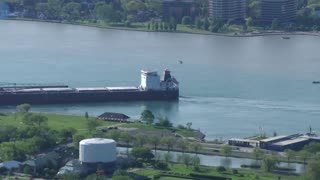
(97, 150)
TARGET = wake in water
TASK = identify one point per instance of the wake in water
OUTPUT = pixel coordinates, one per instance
(254, 104)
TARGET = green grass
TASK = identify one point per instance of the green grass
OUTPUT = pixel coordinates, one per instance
(55, 121)
(242, 174)
(138, 125)
(184, 132)
(170, 178)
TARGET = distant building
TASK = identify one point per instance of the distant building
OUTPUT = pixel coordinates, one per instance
(227, 9)
(293, 142)
(113, 116)
(177, 9)
(243, 142)
(283, 10)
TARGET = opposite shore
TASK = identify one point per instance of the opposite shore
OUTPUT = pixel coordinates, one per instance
(250, 34)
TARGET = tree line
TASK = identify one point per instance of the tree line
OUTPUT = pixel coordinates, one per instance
(34, 136)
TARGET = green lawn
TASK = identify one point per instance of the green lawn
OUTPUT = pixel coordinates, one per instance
(184, 132)
(55, 121)
(242, 174)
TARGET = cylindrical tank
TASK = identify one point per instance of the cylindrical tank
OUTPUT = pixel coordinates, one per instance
(97, 150)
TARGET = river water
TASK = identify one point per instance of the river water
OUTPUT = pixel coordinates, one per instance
(230, 87)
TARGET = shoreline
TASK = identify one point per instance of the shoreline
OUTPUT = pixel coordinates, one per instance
(271, 33)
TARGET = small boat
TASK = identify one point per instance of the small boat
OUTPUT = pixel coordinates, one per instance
(315, 82)
(285, 37)
(180, 62)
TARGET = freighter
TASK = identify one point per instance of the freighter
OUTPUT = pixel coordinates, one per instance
(152, 87)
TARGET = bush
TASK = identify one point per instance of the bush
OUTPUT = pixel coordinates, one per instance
(27, 170)
(235, 171)
(201, 176)
(186, 20)
(221, 169)
(181, 126)
(161, 165)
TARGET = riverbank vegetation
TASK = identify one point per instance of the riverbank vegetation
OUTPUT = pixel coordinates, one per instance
(147, 15)
(25, 134)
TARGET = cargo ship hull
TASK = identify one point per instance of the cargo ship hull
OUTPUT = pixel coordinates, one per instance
(77, 97)
(152, 88)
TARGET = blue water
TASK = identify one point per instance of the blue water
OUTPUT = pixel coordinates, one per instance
(229, 86)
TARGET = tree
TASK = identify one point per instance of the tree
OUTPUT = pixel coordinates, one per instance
(143, 153)
(258, 153)
(141, 139)
(167, 157)
(104, 11)
(269, 163)
(173, 24)
(27, 169)
(34, 119)
(183, 145)
(161, 26)
(198, 23)
(169, 142)
(157, 26)
(226, 150)
(71, 11)
(275, 24)
(185, 159)
(249, 22)
(92, 124)
(289, 154)
(189, 124)
(304, 155)
(196, 147)
(127, 138)
(55, 8)
(76, 139)
(196, 162)
(86, 115)
(164, 122)
(23, 108)
(166, 26)
(67, 132)
(313, 170)
(186, 20)
(134, 6)
(114, 134)
(206, 24)
(43, 8)
(155, 141)
(147, 116)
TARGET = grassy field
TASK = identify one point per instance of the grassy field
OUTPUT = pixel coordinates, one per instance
(183, 132)
(241, 175)
(55, 121)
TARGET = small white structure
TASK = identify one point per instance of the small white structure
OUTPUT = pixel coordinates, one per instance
(97, 150)
(150, 80)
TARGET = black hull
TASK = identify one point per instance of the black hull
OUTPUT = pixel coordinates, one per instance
(73, 97)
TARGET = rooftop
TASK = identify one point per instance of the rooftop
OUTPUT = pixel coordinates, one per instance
(273, 138)
(244, 140)
(97, 141)
(291, 141)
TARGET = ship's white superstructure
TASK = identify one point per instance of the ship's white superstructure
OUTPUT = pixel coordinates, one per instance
(150, 80)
